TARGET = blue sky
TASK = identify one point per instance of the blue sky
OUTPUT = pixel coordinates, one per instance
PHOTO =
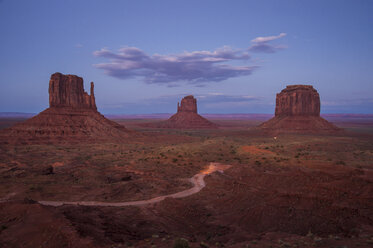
(143, 56)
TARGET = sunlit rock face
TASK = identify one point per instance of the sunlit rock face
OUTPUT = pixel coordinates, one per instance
(186, 117)
(71, 117)
(298, 110)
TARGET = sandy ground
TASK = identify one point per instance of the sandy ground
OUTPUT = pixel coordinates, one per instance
(197, 181)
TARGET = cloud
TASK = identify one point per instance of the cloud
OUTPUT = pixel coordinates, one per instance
(198, 67)
(268, 38)
(261, 44)
(347, 105)
(211, 97)
(213, 102)
(207, 100)
(225, 98)
(348, 102)
(266, 48)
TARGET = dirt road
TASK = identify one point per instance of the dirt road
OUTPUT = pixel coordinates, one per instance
(197, 181)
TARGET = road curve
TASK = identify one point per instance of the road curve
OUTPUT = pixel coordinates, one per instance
(197, 181)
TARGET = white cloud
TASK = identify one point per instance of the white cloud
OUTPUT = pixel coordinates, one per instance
(261, 44)
(268, 38)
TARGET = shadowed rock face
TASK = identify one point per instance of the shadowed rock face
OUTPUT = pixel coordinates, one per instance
(298, 100)
(68, 91)
(186, 117)
(188, 104)
(298, 110)
(71, 117)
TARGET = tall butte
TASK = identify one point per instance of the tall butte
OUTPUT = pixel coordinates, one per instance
(72, 116)
(68, 91)
(298, 110)
(186, 117)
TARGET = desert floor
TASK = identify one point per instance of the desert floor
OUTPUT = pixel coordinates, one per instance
(283, 191)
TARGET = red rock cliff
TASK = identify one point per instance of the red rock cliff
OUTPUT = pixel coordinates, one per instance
(188, 104)
(68, 91)
(298, 100)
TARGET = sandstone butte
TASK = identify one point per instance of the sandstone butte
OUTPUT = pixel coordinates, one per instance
(298, 110)
(186, 117)
(72, 116)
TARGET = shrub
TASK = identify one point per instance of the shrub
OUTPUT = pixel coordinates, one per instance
(340, 162)
(181, 243)
(203, 245)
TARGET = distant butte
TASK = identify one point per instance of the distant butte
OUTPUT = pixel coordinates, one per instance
(72, 116)
(298, 110)
(186, 117)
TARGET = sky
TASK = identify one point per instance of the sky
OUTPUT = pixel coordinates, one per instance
(144, 56)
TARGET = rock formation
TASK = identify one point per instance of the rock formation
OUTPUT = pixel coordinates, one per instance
(72, 116)
(186, 117)
(188, 104)
(298, 100)
(298, 110)
(67, 91)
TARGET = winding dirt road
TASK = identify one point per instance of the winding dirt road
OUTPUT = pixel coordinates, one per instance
(197, 181)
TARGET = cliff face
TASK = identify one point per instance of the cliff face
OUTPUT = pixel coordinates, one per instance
(68, 91)
(188, 104)
(298, 110)
(298, 100)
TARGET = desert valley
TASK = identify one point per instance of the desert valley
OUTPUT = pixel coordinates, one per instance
(72, 178)
(186, 124)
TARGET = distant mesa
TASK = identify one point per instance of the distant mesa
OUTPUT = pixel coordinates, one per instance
(298, 110)
(72, 116)
(186, 117)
